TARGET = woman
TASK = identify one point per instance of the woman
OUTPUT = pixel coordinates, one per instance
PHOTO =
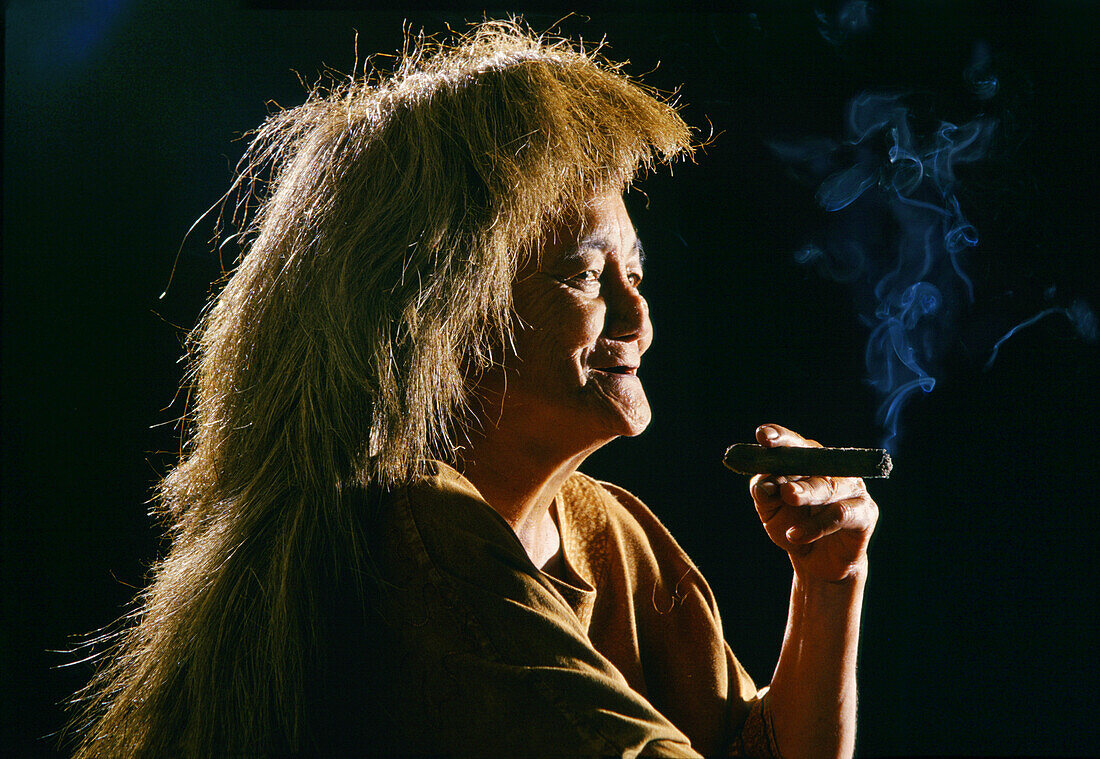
(380, 540)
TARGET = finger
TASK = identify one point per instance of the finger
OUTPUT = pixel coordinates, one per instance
(765, 492)
(763, 486)
(772, 435)
(856, 515)
(813, 491)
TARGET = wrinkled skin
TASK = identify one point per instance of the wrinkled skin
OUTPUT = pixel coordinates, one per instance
(823, 523)
(571, 381)
(568, 382)
(568, 385)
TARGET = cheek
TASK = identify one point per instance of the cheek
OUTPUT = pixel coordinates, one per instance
(582, 323)
(577, 336)
(559, 325)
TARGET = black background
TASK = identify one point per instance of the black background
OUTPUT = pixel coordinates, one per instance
(979, 633)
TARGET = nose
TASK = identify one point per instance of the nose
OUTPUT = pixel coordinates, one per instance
(627, 316)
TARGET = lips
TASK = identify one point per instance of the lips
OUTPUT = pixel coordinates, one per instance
(621, 369)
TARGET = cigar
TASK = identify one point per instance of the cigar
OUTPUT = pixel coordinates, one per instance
(750, 458)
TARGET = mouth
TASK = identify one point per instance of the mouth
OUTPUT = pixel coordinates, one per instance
(622, 369)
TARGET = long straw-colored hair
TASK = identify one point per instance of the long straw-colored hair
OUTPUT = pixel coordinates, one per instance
(393, 213)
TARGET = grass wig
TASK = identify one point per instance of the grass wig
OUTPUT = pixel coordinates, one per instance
(393, 212)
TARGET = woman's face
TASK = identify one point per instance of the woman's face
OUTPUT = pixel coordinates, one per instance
(582, 329)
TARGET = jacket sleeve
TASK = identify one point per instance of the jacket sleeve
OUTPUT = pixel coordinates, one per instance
(694, 676)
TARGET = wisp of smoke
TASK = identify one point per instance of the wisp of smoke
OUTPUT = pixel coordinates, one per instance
(898, 235)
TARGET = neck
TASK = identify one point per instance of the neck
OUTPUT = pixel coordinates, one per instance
(519, 479)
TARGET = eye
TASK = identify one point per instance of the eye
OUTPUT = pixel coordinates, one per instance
(635, 278)
(585, 278)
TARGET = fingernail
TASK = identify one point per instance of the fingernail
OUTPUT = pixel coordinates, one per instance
(771, 433)
(799, 488)
(767, 487)
(796, 533)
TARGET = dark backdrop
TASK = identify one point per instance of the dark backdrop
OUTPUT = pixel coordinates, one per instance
(979, 635)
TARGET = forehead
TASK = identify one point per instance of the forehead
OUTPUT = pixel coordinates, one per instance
(603, 226)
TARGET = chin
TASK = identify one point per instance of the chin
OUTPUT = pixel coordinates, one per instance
(631, 415)
(607, 415)
(636, 424)
(629, 423)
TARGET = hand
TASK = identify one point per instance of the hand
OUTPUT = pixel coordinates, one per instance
(823, 523)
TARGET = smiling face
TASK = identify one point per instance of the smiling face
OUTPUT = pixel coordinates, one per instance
(582, 328)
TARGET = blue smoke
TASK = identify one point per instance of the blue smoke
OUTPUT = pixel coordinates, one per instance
(983, 83)
(1080, 317)
(850, 18)
(899, 238)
